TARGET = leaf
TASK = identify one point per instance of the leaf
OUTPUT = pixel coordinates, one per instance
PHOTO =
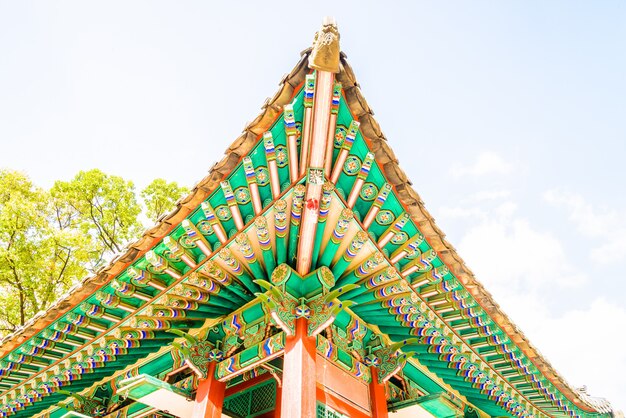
(160, 197)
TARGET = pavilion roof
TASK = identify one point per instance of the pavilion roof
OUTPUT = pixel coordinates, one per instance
(388, 163)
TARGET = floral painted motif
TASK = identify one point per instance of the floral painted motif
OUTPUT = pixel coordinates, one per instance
(262, 176)
(281, 156)
(204, 227)
(242, 195)
(298, 132)
(316, 176)
(188, 242)
(352, 165)
(201, 355)
(399, 238)
(369, 191)
(385, 217)
(263, 233)
(323, 313)
(223, 213)
(280, 218)
(389, 362)
(340, 135)
(326, 277)
(171, 256)
(254, 334)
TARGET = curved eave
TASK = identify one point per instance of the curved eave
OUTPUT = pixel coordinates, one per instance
(152, 236)
(388, 162)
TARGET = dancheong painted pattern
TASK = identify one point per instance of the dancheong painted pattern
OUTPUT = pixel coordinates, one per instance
(308, 217)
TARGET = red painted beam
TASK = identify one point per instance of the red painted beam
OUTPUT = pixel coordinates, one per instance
(247, 384)
(340, 405)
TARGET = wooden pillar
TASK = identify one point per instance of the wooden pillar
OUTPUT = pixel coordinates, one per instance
(279, 396)
(298, 389)
(209, 396)
(378, 397)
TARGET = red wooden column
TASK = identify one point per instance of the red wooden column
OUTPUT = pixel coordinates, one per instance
(279, 396)
(209, 396)
(298, 389)
(378, 397)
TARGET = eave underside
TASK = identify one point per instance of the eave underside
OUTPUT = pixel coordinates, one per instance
(467, 330)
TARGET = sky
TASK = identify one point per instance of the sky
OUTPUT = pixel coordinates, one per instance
(509, 117)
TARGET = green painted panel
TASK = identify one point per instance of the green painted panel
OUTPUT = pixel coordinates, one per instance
(413, 373)
(325, 411)
(438, 405)
(143, 385)
(253, 401)
(253, 313)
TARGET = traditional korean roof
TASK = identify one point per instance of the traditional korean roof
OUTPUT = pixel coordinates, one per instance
(198, 268)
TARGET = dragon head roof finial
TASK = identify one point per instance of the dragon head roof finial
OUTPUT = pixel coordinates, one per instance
(325, 54)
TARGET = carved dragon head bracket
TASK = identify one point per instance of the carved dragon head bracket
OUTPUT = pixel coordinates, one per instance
(387, 359)
(197, 354)
(84, 405)
(320, 310)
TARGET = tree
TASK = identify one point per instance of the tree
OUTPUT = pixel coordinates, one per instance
(38, 260)
(50, 240)
(103, 207)
(160, 196)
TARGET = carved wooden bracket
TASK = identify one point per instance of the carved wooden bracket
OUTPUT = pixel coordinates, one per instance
(84, 405)
(197, 354)
(387, 359)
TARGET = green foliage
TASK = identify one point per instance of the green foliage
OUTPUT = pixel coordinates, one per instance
(103, 207)
(49, 240)
(38, 260)
(160, 196)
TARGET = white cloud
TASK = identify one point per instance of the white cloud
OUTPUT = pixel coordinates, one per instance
(614, 250)
(584, 345)
(447, 213)
(582, 213)
(475, 206)
(487, 195)
(608, 226)
(506, 252)
(506, 210)
(519, 263)
(487, 163)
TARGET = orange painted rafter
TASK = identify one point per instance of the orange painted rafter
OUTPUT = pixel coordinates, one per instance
(315, 163)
